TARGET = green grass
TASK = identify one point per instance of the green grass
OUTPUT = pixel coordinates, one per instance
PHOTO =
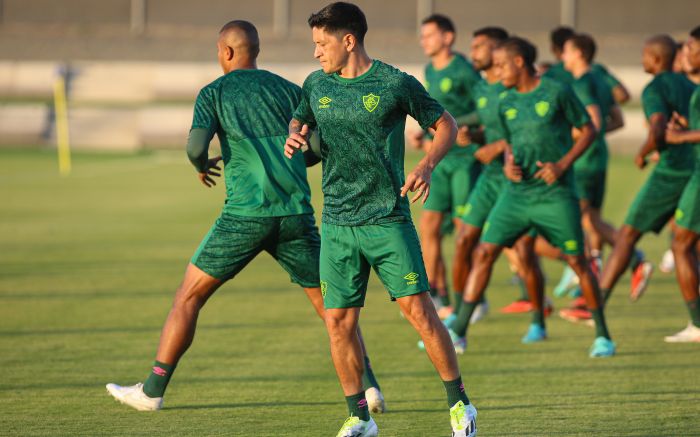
(88, 268)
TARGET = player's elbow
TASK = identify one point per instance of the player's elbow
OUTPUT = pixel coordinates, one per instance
(449, 124)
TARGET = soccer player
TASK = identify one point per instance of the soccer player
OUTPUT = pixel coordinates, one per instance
(267, 201)
(687, 214)
(359, 105)
(449, 79)
(536, 117)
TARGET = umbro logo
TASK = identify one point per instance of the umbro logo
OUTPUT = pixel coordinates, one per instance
(411, 278)
(324, 102)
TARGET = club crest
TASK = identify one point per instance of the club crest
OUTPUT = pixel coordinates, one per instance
(542, 108)
(370, 101)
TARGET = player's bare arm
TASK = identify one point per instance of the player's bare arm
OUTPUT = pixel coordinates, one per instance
(298, 138)
(615, 119)
(655, 139)
(489, 152)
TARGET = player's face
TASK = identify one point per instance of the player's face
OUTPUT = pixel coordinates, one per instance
(570, 55)
(506, 68)
(433, 40)
(691, 50)
(648, 60)
(481, 52)
(331, 51)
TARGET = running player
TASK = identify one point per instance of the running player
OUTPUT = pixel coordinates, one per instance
(359, 105)
(267, 207)
(536, 116)
(449, 79)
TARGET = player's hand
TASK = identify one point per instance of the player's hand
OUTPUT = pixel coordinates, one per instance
(489, 152)
(463, 137)
(678, 120)
(205, 177)
(513, 172)
(415, 139)
(674, 136)
(640, 161)
(549, 172)
(296, 141)
(418, 181)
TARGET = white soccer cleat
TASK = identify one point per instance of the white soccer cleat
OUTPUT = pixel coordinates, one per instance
(134, 396)
(481, 311)
(354, 427)
(375, 400)
(691, 334)
(463, 420)
(668, 262)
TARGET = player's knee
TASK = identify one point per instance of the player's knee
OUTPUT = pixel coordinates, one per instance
(577, 263)
(682, 242)
(628, 236)
(339, 323)
(485, 254)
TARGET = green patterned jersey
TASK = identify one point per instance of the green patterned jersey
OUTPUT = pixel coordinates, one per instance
(591, 90)
(694, 119)
(361, 124)
(666, 93)
(486, 98)
(559, 73)
(537, 125)
(607, 77)
(250, 110)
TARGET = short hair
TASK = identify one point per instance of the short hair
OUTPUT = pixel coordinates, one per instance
(585, 44)
(341, 17)
(695, 33)
(559, 35)
(492, 32)
(251, 34)
(442, 22)
(521, 47)
(665, 48)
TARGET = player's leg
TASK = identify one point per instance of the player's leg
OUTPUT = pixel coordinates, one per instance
(534, 283)
(465, 242)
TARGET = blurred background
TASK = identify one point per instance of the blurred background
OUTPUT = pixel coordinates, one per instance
(133, 67)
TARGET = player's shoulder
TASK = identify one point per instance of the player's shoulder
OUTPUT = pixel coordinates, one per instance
(314, 78)
(554, 87)
(392, 76)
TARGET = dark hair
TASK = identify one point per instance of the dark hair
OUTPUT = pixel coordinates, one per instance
(665, 48)
(523, 48)
(559, 35)
(341, 17)
(442, 22)
(585, 44)
(695, 33)
(492, 32)
(252, 43)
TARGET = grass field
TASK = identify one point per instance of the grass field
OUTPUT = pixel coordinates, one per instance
(89, 264)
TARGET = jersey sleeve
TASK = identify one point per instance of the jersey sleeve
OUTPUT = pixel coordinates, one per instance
(653, 101)
(304, 113)
(416, 102)
(584, 91)
(609, 79)
(574, 111)
(205, 111)
(499, 129)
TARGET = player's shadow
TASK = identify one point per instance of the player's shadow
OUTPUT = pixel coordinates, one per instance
(245, 405)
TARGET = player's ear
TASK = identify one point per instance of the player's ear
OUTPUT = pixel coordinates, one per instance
(449, 38)
(229, 53)
(349, 42)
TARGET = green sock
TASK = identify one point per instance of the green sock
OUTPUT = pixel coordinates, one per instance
(523, 290)
(433, 291)
(605, 292)
(601, 329)
(461, 323)
(636, 258)
(445, 298)
(357, 404)
(455, 392)
(457, 304)
(694, 309)
(158, 380)
(538, 317)
(368, 379)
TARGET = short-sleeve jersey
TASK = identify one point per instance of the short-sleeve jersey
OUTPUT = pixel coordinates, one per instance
(694, 120)
(591, 90)
(486, 98)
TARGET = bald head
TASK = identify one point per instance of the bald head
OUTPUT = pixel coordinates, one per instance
(242, 37)
(663, 48)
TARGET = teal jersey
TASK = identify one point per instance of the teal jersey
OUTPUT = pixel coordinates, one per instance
(591, 90)
(361, 123)
(452, 87)
(559, 73)
(537, 125)
(694, 119)
(487, 97)
(668, 92)
(249, 110)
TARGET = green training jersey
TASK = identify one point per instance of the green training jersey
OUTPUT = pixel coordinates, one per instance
(591, 90)
(559, 73)
(452, 87)
(668, 92)
(361, 123)
(249, 110)
(694, 119)
(537, 125)
(607, 77)
(487, 97)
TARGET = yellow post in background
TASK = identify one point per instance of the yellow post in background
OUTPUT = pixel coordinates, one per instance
(62, 138)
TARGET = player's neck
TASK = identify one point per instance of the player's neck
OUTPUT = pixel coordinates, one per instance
(580, 69)
(491, 75)
(244, 64)
(694, 77)
(358, 64)
(442, 58)
(526, 83)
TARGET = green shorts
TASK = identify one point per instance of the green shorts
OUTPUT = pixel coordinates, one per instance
(452, 181)
(688, 211)
(557, 219)
(590, 187)
(349, 252)
(233, 241)
(482, 199)
(657, 201)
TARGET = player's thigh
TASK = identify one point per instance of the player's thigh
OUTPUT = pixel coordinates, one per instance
(297, 249)
(656, 202)
(482, 200)
(688, 212)
(393, 250)
(440, 198)
(507, 221)
(558, 220)
(231, 243)
(343, 270)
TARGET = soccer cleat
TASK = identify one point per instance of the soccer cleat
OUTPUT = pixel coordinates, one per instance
(460, 343)
(577, 315)
(691, 334)
(354, 427)
(575, 292)
(134, 396)
(463, 420)
(375, 400)
(517, 307)
(602, 347)
(668, 262)
(445, 312)
(568, 281)
(535, 333)
(448, 321)
(579, 303)
(640, 279)
(480, 312)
